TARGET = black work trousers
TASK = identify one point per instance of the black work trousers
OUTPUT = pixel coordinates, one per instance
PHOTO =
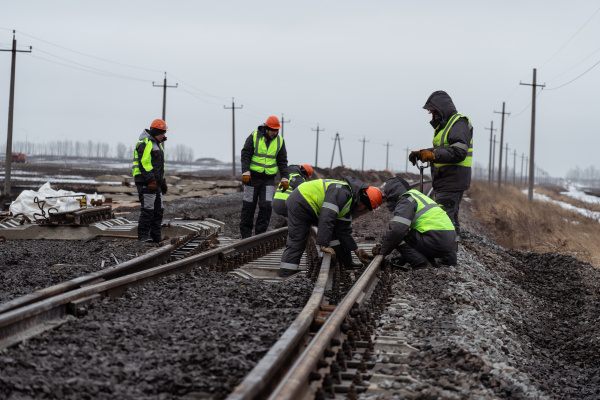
(419, 248)
(261, 193)
(450, 202)
(151, 213)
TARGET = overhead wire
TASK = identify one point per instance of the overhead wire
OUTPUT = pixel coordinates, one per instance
(571, 38)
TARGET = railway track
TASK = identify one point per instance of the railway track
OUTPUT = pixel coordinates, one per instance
(37, 312)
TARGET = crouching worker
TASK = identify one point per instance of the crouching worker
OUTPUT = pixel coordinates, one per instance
(298, 175)
(330, 205)
(420, 229)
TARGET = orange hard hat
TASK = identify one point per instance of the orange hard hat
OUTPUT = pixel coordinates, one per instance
(159, 124)
(375, 196)
(273, 122)
(308, 169)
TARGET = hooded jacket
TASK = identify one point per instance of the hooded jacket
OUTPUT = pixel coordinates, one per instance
(401, 202)
(248, 151)
(450, 177)
(157, 160)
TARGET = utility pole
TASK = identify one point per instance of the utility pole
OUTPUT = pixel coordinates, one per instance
(506, 165)
(317, 152)
(164, 86)
(493, 156)
(532, 143)
(526, 170)
(232, 108)
(515, 168)
(521, 176)
(501, 140)
(490, 165)
(406, 168)
(11, 106)
(283, 121)
(387, 153)
(337, 140)
(362, 168)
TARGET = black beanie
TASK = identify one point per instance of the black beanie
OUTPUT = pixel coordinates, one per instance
(155, 132)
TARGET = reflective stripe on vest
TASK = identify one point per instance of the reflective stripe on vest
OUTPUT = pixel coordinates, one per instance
(281, 195)
(429, 215)
(265, 159)
(441, 139)
(146, 157)
(314, 193)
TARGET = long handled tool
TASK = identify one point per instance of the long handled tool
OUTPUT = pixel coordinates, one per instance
(421, 167)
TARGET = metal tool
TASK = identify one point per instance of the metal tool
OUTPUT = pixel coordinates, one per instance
(421, 167)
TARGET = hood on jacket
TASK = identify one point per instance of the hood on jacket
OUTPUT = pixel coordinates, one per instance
(145, 135)
(295, 169)
(394, 188)
(356, 185)
(441, 102)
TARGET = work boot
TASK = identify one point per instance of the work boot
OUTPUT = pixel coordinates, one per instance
(286, 272)
(425, 265)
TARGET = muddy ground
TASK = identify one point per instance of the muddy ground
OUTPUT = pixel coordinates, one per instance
(501, 324)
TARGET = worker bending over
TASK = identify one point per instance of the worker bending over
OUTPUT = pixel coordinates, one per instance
(298, 175)
(330, 205)
(420, 229)
(263, 155)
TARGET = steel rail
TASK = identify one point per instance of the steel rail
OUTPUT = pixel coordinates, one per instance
(22, 322)
(296, 384)
(268, 372)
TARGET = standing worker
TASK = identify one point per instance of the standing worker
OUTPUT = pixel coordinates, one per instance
(298, 175)
(330, 204)
(451, 155)
(149, 176)
(420, 229)
(263, 155)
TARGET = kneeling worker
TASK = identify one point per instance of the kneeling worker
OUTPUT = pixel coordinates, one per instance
(420, 229)
(298, 175)
(330, 204)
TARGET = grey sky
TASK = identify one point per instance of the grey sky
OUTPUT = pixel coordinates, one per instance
(363, 69)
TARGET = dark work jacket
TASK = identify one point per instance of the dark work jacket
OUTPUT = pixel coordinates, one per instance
(157, 173)
(248, 151)
(328, 220)
(449, 178)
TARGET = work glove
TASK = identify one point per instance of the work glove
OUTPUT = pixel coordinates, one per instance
(246, 178)
(376, 249)
(363, 256)
(414, 156)
(152, 187)
(329, 250)
(284, 185)
(164, 187)
(427, 155)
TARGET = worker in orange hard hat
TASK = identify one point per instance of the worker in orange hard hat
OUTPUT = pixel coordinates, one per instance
(263, 156)
(298, 175)
(149, 177)
(331, 205)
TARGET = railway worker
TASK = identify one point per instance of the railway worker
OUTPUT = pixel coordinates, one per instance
(420, 229)
(330, 205)
(263, 155)
(450, 156)
(149, 177)
(298, 175)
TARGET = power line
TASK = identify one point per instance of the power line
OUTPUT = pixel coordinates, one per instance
(588, 70)
(571, 38)
(88, 55)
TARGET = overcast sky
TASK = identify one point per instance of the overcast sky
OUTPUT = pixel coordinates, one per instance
(363, 69)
